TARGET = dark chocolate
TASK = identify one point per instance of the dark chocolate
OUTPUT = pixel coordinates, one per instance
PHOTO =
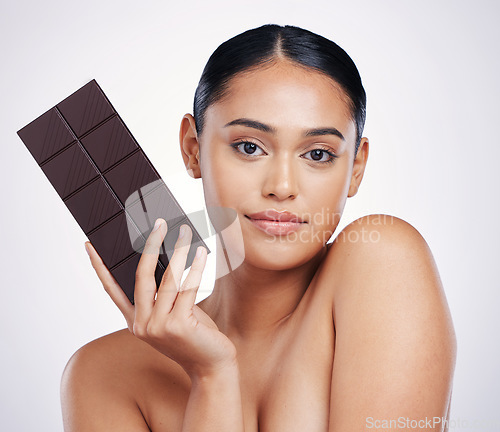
(107, 182)
(85, 108)
(130, 175)
(46, 135)
(69, 170)
(119, 143)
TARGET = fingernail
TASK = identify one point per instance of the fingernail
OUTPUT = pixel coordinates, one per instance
(199, 251)
(87, 248)
(157, 224)
(182, 231)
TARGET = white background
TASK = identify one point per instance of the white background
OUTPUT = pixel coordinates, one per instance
(430, 70)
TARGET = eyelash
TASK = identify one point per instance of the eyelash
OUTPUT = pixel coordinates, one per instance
(329, 153)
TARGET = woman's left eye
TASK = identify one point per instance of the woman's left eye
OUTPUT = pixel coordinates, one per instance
(249, 148)
(317, 155)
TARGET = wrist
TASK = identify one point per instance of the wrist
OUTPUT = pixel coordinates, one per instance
(227, 371)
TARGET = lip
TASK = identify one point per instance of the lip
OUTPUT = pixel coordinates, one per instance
(277, 216)
(276, 223)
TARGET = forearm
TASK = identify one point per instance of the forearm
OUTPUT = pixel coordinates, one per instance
(214, 403)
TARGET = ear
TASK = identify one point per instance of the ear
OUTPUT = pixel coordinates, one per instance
(190, 147)
(358, 167)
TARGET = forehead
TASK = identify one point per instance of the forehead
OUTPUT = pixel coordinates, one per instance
(286, 96)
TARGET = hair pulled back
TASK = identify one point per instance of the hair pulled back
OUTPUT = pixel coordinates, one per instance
(262, 46)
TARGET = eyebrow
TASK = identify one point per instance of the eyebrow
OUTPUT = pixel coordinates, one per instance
(269, 129)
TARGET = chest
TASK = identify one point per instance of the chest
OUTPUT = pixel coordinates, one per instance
(294, 392)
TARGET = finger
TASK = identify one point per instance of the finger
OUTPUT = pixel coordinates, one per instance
(145, 283)
(177, 264)
(170, 284)
(187, 294)
(110, 285)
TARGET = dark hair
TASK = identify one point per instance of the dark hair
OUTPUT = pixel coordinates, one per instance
(263, 45)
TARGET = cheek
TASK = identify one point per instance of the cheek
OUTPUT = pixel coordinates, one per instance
(224, 183)
(326, 197)
(326, 191)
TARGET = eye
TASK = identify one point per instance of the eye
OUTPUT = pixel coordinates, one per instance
(247, 148)
(317, 155)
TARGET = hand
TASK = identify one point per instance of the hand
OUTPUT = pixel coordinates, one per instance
(171, 322)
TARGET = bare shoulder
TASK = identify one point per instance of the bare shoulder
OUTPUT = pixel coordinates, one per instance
(94, 360)
(379, 254)
(377, 230)
(394, 333)
(94, 389)
(375, 237)
(102, 383)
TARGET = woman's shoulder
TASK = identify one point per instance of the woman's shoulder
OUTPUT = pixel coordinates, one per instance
(370, 237)
(377, 230)
(107, 351)
(116, 356)
(104, 382)
(380, 253)
(106, 362)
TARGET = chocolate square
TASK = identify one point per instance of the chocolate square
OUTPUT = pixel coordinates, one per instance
(150, 203)
(85, 108)
(69, 170)
(130, 175)
(93, 205)
(46, 135)
(117, 239)
(109, 143)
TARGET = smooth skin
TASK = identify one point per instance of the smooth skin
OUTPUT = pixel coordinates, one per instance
(303, 335)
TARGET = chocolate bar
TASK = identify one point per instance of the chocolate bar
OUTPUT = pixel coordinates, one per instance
(106, 181)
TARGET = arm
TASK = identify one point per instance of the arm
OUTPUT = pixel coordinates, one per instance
(395, 344)
(215, 403)
(166, 318)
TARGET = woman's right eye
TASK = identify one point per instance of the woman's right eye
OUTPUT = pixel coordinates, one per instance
(246, 148)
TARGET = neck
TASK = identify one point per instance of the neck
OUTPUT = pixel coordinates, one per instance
(250, 303)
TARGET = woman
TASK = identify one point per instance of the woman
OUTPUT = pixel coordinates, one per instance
(303, 335)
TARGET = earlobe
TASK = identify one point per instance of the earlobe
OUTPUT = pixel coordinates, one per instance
(359, 166)
(190, 148)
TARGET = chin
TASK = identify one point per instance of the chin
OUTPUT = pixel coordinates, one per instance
(278, 255)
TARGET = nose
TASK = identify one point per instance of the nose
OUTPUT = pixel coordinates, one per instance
(281, 179)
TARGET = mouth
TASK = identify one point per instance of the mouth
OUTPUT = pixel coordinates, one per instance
(275, 216)
(276, 223)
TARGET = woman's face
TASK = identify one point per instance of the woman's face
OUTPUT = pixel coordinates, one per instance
(283, 140)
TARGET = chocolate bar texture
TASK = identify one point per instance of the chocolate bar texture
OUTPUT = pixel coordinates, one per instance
(107, 182)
